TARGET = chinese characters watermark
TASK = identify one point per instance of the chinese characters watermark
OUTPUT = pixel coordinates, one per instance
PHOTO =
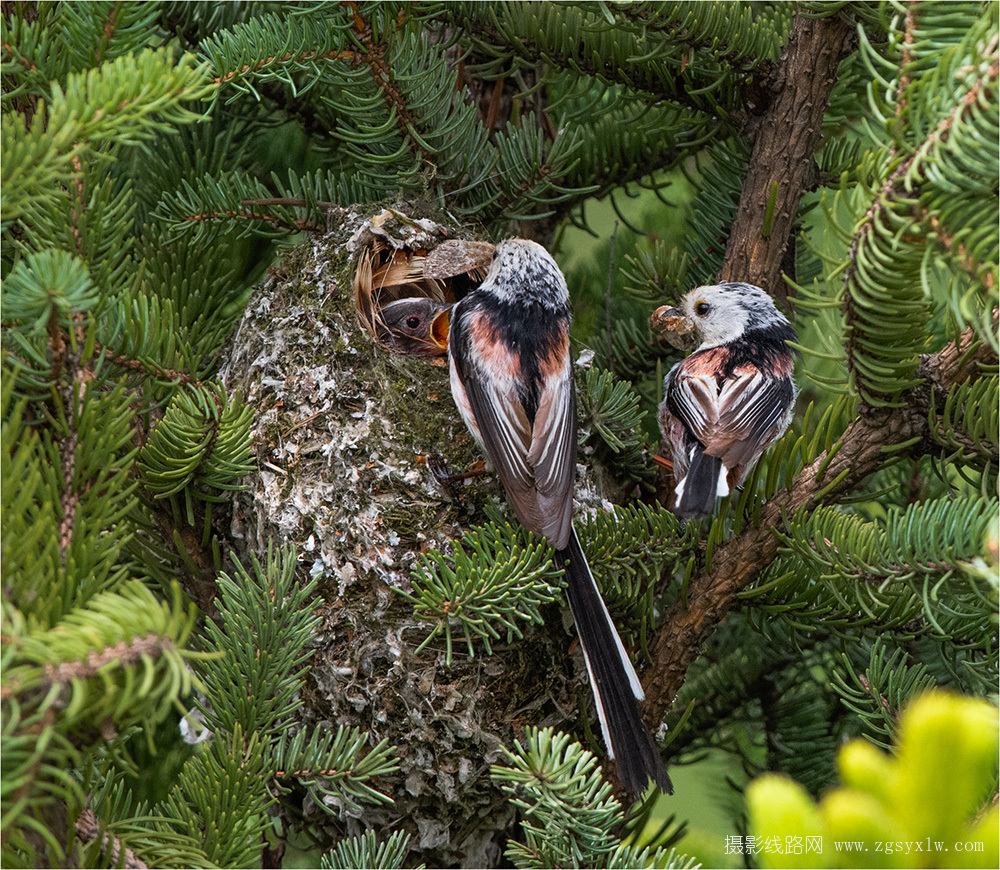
(790, 845)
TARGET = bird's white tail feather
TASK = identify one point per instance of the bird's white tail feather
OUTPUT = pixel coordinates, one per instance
(633, 677)
(614, 682)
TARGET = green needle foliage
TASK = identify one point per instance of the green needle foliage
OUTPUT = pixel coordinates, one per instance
(153, 158)
(574, 818)
(364, 852)
(611, 419)
(924, 177)
(251, 668)
(630, 552)
(264, 629)
(496, 579)
(568, 812)
(896, 683)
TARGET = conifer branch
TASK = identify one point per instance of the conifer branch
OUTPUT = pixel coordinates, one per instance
(127, 652)
(785, 138)
(893, 186)
(300, 57)
(897, 187)
(107, 31)
(382, 74)
(667, 24)
(69, 499)
(904, 75)
(57, 345)
(67, 448)
(537, 45)
(962, 255)
(88, 829)
(739, 561)
(288, 201)
(17, 56)
(146, 368)
(295, 224)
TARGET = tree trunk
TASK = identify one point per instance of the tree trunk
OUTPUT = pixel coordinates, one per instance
(785, 139)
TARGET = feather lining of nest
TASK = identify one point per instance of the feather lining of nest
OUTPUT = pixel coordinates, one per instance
(385, 275)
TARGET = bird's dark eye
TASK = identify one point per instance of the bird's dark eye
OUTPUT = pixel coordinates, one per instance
(413, 321)
(702, 308)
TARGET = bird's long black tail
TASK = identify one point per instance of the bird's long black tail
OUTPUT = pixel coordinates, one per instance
(697, 493)
(615, 684)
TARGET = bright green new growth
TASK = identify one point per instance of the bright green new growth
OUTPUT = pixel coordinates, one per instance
(935, 792)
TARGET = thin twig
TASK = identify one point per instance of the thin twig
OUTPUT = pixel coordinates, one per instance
(288, 201)
(607, 295)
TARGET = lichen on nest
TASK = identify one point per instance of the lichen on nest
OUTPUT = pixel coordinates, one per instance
(342, 428)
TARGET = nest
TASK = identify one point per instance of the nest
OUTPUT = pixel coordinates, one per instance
(404, 287)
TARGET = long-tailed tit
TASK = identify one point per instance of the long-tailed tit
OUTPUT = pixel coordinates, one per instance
(512, 380)
(727, 402)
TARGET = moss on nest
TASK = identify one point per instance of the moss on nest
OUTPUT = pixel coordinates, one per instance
(342, 433)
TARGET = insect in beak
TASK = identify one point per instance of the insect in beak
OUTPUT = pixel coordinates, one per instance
(673, 325)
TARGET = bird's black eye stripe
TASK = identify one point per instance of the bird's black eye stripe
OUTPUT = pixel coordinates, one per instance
(702, 308)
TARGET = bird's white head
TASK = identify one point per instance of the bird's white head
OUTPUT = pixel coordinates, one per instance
(722, 313)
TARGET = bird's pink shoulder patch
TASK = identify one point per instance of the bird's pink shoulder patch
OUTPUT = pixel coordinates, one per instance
(554, 358)
(704, 363)
(494, 353)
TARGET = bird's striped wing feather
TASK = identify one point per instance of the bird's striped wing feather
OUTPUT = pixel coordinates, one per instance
(736, 422)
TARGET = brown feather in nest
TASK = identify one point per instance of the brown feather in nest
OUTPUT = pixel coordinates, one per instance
(459, 257)
(385, 275)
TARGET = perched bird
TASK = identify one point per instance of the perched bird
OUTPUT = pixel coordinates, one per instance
(512, 380)
(727, 402)
(416, 325)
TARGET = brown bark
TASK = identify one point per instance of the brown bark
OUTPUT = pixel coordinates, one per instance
(785, 138)
(736, 563)
(88, 829)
